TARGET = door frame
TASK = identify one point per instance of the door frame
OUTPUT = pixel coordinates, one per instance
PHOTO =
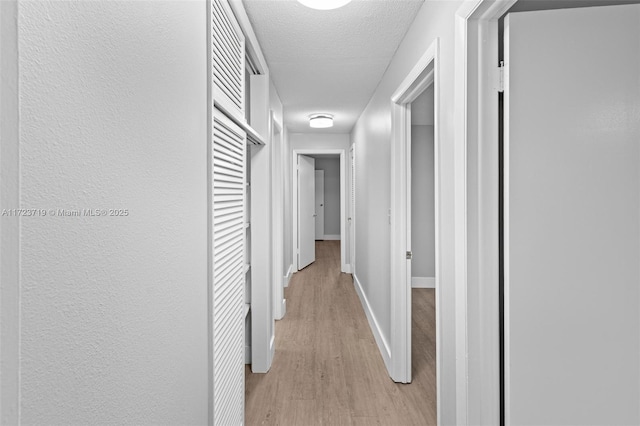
(424, 74)
(344, 267)
(319, 173)
(351, 219)
(277, 196)
(477, 224)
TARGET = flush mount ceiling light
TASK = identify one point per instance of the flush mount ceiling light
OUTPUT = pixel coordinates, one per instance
(321, 121)
(324, 4)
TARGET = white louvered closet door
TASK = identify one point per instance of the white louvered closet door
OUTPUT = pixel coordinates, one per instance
(228, 60)
(228, 239)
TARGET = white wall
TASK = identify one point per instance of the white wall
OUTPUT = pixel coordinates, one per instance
(331, 167)
(112, 314)
(423, 234)
(371, 136)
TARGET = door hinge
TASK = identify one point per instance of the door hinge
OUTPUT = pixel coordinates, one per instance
(409, 255)
(501, 77)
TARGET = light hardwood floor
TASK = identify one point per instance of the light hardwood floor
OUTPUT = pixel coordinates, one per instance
(327, 368)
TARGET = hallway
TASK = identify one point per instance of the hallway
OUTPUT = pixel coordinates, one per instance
(327, 368)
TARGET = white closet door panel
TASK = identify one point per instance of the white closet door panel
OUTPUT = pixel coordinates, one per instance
(227, 243)
(228, 59)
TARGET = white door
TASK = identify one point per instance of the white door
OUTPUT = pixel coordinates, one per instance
(306, 211)
(572, 216)
(319, 204)
(228, 150)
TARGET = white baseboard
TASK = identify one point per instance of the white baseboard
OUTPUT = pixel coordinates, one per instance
(283, 310)
(331, 237)
(383, 345)
(423, 282)
(347, 269)
(272, 349)
(287, 277)
(247, 354)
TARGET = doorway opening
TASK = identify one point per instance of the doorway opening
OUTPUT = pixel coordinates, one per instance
(304, 214)
(422, 242)
(327, 196)
(421, 239)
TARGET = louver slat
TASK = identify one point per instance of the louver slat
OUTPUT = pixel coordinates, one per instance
(228, 59)
(227, 246)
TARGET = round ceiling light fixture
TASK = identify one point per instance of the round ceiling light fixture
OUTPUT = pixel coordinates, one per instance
(321, 121)
(324, 4)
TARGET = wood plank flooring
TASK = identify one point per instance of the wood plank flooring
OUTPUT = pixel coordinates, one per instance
(327, 368)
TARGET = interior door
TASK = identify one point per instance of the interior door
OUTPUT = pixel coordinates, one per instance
(227, 239)
(319, 205)
(306, 211)
(572, 216)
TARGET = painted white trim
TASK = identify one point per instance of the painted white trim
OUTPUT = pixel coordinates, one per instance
(247, 354)
(423, 282)
(331, 237)
(277, 218)
(287, 278)
(343, 194)
(289, 275)
(378, 335)
(272, 346)
(423, 74)
(319, 213)
(476, 221)
(262, 315)
(352, 211)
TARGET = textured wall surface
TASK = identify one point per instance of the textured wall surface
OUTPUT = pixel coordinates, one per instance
(113, 116)
(331, 167)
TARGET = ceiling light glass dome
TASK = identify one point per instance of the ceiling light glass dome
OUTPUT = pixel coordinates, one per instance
(324, 4)
(321, 121)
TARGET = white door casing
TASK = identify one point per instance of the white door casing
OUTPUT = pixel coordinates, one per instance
(306, 211)
(423, 74)
(572, 216)
(352, 212)
(319, 205)
(477, 345)
(277, 148)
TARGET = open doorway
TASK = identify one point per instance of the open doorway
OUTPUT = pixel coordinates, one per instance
(422, 233)
(327, 195)
(333, 163)
(410, 233)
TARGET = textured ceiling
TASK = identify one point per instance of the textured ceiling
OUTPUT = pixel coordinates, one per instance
(328, 61)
